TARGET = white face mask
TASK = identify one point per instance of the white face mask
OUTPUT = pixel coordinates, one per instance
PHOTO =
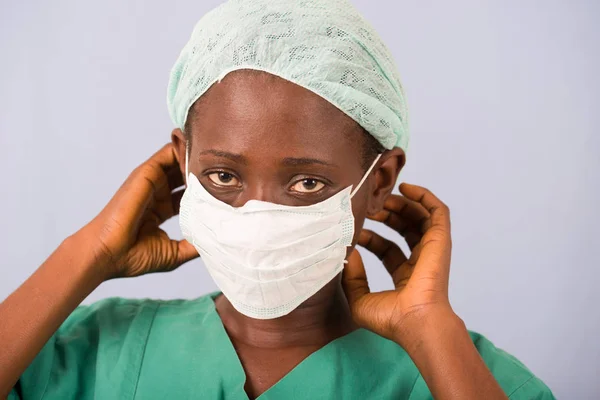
(268, 258)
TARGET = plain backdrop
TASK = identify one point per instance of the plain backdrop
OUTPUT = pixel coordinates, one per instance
(504, 99)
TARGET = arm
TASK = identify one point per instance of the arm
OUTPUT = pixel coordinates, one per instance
(124, 240)
(417, 314)
(447, 359)
(32, 314)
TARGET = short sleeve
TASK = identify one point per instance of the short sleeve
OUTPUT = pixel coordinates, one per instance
(515, 378)
(518, 382)
(532, 389)
(96, 341)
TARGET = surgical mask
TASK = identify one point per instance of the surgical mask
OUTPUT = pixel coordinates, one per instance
(268, 258)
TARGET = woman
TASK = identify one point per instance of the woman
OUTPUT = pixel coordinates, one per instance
(291, 130)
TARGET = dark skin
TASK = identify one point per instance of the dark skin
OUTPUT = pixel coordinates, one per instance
(239, 152)
(272, 127)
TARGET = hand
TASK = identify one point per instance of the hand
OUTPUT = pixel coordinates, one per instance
(126, 236)
(421, 281)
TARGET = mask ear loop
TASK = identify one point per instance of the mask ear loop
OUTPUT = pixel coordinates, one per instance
(364, 178)
(187, 159)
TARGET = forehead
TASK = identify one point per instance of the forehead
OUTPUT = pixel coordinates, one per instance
(256, 113)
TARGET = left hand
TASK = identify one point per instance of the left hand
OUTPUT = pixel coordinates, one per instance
(421, 281)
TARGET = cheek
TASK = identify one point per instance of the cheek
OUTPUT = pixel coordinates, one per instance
(359, 210)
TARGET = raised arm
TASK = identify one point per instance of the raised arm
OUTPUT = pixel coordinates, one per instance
(124, 240)
(417, 313)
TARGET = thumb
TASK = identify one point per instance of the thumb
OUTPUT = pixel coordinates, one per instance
(185, 252)
(354, 279)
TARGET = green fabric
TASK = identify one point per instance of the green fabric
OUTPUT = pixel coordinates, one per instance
(178, 349)
(325, 46)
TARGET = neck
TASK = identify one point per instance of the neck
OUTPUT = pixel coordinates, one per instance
(322, 318)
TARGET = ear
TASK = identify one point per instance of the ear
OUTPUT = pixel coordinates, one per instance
(386, 174)
(179, 142)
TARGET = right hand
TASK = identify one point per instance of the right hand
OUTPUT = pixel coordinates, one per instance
(126, 235)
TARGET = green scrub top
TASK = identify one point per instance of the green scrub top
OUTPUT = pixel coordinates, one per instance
(178, 349)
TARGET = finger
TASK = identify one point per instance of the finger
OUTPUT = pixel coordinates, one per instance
(393, 258)
(439, 212)
(411, 212)
(166, 209)
(149, 226)
(413, 239)
(175, 177)
(166, 160)
(176, 200)
(147, 184)
(390, 219)
(401, 214)
(165, 157)
(354, 279)
(407, 217)
(387, 251)
(436, 243)
(185, 252)
(412, 234)
(156, 170)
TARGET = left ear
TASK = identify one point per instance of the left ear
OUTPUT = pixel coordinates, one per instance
(179, 142)
(386, 175)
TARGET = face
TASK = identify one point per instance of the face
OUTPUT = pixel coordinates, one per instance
(257, 136)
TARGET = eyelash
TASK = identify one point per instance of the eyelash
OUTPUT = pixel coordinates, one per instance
(317, 181)
(321, 181)
(220, 171)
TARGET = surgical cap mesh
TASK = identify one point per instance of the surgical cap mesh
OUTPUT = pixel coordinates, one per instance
(325, 46)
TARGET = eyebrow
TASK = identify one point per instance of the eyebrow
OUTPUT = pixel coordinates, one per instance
(292, 161)
(232, 156)
(288, 161)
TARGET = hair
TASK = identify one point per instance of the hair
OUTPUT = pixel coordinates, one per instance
(370, 149)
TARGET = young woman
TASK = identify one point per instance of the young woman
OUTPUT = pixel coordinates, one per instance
(291, 130)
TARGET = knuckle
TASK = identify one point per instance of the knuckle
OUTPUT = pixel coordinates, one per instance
(151, 175)
(147, 169)
(143, 171)
(441, 208)
(435, 234)
(445, 208)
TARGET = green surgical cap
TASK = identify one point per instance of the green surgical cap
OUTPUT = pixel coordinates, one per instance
(325, 46)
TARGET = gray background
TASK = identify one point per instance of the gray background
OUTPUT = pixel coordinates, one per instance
(504, 102)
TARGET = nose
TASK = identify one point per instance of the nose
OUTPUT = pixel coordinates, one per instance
(258, 191)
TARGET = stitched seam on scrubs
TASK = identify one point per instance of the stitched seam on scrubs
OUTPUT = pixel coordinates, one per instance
(521, 385)
(412, 389)
(137, 381)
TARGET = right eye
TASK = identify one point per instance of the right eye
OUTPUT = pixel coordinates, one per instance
(222, 178)
(308, 185)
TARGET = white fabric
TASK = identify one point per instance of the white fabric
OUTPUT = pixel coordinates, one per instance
(268, 258)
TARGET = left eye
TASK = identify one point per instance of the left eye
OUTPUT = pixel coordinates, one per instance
(223, 179)
(308, 186)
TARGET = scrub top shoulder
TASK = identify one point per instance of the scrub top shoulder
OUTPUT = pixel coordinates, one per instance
(154, 349)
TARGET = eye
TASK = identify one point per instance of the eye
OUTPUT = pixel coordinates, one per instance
(222, 178)
(308, 185)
